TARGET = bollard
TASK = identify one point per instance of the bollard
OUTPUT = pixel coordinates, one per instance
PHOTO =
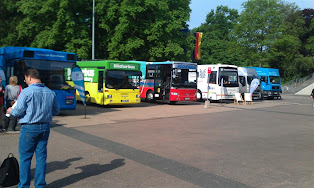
(207, 104)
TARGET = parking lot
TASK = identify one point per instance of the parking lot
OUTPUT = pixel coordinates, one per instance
(268, 144)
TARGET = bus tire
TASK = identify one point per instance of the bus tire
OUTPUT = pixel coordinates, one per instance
(199, 95)
(150, 96)
(173, 102)
(87, 98)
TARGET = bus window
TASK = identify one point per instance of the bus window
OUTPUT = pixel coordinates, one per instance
(19, 70)
(213, 77)
(100, 81)
(274, 79)
(181, 78)
(250, 78)
(116, 79)
(229, 76)
(242, 80)
(264, 79)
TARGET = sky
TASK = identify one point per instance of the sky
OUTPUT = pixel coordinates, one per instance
(200, 8)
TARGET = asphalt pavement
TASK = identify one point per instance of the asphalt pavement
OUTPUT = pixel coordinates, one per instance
(268, 144)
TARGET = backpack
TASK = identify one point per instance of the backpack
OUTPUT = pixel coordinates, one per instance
(9, 172)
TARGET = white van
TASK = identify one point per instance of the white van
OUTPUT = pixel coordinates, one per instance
(246, 75)
(209, 81)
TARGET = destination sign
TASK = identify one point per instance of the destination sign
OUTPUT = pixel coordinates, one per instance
(123, 66)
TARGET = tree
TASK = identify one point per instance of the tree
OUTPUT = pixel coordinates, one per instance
(150, 30)
(260, 24)
(55, 24)
(9, 19)
(217, 45)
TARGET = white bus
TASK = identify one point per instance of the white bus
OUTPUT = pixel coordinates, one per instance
(246, 75)
(209, 81)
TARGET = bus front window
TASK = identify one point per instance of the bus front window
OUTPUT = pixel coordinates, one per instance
(52, 73)
(122, 79)
(184, 78)
(274, 79)
(229, 76)
(250, 79)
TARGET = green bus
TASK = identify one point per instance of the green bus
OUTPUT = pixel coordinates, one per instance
(110, 82)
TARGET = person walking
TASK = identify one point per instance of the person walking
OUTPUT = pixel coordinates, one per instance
(2, 90)
(36, 105)
(12, 91)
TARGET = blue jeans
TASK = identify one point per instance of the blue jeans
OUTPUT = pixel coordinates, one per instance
(33, 138)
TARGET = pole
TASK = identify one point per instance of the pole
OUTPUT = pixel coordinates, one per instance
(93, 32)
(85, 110)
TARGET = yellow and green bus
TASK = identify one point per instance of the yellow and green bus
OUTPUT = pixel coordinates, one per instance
(109, 82)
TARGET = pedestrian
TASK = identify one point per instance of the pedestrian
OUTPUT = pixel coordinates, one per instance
(36, 105)
(12, 92)
(2, 90)
(312, 96)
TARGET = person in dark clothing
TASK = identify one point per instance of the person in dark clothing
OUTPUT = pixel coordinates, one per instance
(312, 96)
(2, 90)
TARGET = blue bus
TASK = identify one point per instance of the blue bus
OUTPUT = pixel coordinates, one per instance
(270, 82)
(52, 66)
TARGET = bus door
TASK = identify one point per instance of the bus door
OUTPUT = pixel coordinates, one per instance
(166, 81)
(17, 68)
(100, 87)
(154, 72)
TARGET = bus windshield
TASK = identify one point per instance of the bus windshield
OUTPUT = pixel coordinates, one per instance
(229, 76)
(184, 78)
(250, 78)
(52, 73)
(117, 79)
(274, 79)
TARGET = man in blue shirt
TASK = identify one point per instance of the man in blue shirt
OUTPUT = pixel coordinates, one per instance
(35, 106)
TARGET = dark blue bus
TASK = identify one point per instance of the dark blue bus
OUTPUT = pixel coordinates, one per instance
(52, 66)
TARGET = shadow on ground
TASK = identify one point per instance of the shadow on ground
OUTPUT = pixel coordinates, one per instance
(86, 172)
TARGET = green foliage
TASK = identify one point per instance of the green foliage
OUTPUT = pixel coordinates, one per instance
(217, 46)
(269, 33)
(124, 29)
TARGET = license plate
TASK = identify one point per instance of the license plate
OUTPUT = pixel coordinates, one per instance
(186, 98)
(124, 100)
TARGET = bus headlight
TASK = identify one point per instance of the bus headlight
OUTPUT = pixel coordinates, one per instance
(138, 96)
(174, 93)
(109, 96)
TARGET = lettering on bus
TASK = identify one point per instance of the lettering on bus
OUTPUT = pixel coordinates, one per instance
(50, 55)
(182, 66)
(89, 74)
(123, 66)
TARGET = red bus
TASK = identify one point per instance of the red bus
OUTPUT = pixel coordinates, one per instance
(168, 81)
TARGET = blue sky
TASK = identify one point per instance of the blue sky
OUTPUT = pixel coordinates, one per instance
(200, 8)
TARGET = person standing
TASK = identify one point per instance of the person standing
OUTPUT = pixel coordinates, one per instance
(2, 90)
(312, 96)
(36, 105)
(12, 91)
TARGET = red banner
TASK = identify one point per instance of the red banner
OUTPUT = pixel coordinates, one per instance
(197, 50)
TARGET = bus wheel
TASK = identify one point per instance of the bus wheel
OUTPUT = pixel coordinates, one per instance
(173, 102)
(150, 96)
(87, 97)
(199, 95)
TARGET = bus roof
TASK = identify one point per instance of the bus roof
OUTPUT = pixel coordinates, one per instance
(218, 65)
(110, 65)
(244, 71)
(11, 52)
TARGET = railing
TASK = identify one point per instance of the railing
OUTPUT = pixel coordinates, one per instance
(294, 86)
